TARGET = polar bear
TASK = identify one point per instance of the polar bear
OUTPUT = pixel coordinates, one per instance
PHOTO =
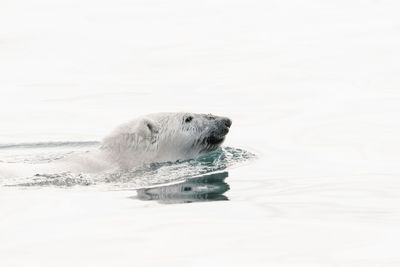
(158, 137)
(165, 137)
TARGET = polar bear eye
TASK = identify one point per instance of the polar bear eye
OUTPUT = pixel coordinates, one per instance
(189, 119)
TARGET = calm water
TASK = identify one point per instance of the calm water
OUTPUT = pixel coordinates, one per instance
(309, 174)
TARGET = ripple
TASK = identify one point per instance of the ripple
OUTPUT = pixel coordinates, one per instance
(42, 152)
(146, 175)
(160, 173)
(48, 144)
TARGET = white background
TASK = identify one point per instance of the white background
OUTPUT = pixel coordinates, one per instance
(312, 88)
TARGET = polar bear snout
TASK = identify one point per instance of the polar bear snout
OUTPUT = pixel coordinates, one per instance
(217, 135)
(227, 122)
(222, 131)
(223, 126)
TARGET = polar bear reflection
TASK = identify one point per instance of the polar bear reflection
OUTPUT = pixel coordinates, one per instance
(204, 188)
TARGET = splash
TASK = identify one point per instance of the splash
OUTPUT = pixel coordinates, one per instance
(160, 173)
(139, 177)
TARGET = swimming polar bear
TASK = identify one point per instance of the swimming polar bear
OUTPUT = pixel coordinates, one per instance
(158, 137)
(165, 137)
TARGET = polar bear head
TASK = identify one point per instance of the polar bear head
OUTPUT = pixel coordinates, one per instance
(165, 137)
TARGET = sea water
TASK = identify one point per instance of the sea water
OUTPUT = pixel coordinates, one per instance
(312, 88)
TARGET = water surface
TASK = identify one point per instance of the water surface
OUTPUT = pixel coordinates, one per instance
(312, 88)
(141, 176)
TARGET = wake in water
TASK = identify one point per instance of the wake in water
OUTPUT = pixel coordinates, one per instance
(160, 173)
(33, 153)
(143, 176)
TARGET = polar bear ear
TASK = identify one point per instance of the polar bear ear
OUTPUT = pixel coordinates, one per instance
(131, 134)
(148, 130)
(152, 126)
(144, 129)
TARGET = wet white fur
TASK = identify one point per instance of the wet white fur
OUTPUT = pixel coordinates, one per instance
(158, 137)
(152, 138)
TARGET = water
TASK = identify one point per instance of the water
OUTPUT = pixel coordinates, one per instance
(34, 153)
(209, 187)
(141, 176)
(311, 87)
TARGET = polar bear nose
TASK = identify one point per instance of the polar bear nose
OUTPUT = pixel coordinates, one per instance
(227, 122)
